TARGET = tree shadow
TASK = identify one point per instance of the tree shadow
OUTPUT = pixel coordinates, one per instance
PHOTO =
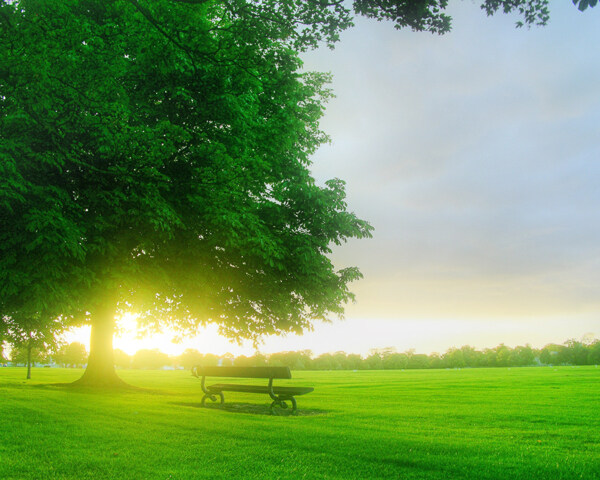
(252, 409)
(85, 389)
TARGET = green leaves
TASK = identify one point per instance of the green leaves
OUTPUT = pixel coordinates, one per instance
(582, 5)
(160, 159)
(532, 12)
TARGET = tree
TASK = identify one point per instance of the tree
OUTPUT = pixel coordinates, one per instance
(454, 358)
(150, 359)
(31, 336)
(373, 361)
(502, 355)
(155, 159)
(553, 354)
(74, 355)
(594, 353)
(436, 360)
(2, 343)
(258, 360)
(576, 352)
(394, 360)
(172, 144)
(418, 360)
(354, 361)
(121, 359)
(189, 358)
(522, 356)
(295, 360)
(472, 357)
(325, 361)
(22, 355)
(489, 357)
(210, 360)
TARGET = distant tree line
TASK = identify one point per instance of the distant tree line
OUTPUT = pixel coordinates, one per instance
(572, 352)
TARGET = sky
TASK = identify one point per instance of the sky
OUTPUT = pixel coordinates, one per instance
(475, 157)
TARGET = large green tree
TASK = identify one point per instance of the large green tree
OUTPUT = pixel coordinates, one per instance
(155, 158)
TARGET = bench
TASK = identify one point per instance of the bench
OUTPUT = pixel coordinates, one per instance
(279, 395)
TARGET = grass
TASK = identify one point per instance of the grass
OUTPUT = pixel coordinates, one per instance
(520, 423)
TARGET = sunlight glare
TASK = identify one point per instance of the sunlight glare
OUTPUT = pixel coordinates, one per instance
(360, 335)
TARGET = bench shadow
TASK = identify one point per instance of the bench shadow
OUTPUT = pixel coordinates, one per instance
(252, 409)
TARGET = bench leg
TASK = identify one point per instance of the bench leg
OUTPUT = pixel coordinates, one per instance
(213, 397)
(281, 403)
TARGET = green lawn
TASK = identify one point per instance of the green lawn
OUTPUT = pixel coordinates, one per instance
(520, 423)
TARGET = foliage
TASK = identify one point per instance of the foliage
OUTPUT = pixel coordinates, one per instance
(582, 5)
(150, 359)
(571, 353)
(2, 343)
(122, 359)
(32, 338)
(189, 358)
(295, 360)
(72, 355)
(20, 355)
(256, 360)
(168, 143)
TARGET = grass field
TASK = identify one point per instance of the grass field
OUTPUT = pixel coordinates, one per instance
(520, 423)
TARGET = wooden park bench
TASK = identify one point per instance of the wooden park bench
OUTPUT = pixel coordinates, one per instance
(279, 395)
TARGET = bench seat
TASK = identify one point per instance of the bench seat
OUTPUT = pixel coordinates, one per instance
(283, 391)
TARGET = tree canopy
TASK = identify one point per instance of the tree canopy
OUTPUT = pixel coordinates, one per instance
(159, 162)
(31, 336)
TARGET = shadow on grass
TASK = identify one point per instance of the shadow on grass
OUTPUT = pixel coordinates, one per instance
(252, 409)
(75, 388)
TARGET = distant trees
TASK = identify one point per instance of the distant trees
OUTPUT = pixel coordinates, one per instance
(522, 356)
(150, 359)
(594, 353)
(300, 360)
(256, 360)
(189, 358)
(121, 359)
(454, 358)
(71, 355)
(553, 354)
(572, 352)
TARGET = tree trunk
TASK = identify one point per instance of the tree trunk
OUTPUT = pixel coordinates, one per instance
(100, 370)
(29, 359)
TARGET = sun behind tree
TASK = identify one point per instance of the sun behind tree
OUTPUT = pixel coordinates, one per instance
(159, 164)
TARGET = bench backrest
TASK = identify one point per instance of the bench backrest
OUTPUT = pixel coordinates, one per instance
(244, 372)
